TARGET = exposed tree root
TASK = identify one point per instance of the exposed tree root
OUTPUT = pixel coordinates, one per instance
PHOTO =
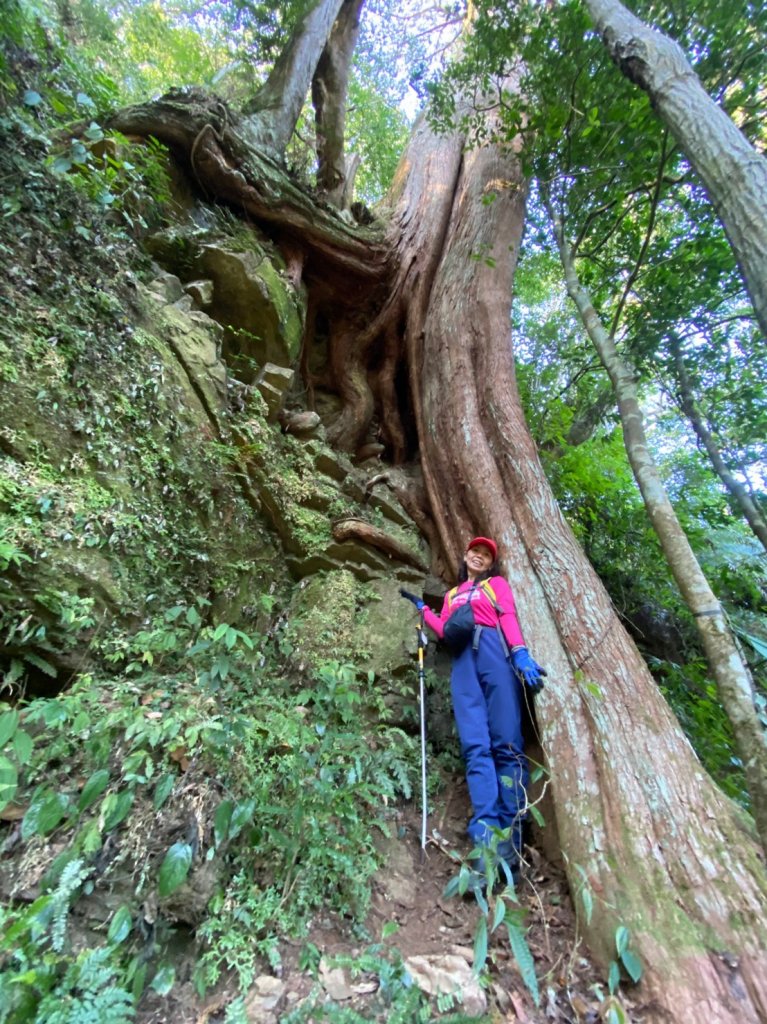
(212, 141)
(358, 529)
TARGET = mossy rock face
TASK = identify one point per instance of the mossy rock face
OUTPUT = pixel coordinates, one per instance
(262, 313)
(337, 617)
(120, 492)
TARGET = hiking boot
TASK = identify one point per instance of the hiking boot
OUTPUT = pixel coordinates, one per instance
(505, 863)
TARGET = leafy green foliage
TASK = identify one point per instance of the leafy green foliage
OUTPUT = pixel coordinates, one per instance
(495, 894)
(190, 699)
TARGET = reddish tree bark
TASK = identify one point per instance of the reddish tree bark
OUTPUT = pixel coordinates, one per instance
(642, 827)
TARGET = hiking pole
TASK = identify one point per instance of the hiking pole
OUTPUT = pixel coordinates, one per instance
(422, 705)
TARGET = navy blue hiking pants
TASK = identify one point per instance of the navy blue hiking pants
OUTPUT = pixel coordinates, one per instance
(487, 702)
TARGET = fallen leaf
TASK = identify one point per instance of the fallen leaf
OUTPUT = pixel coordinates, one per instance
(12, 813)
(181, 757)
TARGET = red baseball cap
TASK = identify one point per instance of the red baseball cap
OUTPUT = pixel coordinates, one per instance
(486, 542)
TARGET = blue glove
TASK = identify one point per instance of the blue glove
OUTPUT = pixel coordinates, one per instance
(411, 597)
(528, 670)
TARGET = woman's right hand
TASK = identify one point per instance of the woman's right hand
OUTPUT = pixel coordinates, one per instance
(412, 597)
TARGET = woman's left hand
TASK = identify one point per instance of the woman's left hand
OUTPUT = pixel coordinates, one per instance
(528, 670)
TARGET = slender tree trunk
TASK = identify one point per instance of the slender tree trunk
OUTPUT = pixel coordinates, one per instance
(740, 496)
(276, 107)
(661, 850)
(329, 87)
(733, 172)
(733, 679)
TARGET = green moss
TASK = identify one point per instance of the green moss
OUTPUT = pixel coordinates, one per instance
(324, 618)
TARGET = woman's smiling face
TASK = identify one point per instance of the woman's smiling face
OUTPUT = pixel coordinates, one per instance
(478, 560)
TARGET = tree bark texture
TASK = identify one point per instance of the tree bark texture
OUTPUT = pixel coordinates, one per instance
(643, 828)
(277, 105)
(732, 171)
(740, 496)
(329, 88)
(732, 676)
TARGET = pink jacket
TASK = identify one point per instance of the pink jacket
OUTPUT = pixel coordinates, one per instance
(484, 612)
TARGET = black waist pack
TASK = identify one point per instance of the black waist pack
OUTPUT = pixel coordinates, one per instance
(459, 629)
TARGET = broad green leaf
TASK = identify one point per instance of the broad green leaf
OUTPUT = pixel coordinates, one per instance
(616, 1015)
(613, 977)
(480, 946)
(8, 781)
(633, 965)
(23, 745)
(8, 724)
(221, 821)
(120, 926)
(93, 789)
(242, 815)
(94, 132)
(139, 980)
(44, 815)
(45, 666)
(163, 790)
(539, 818)
(499, 915)
(115, 808)
(91, 838)
(524, 958)
(62, 165)
(82, 721)
(23, 923)
(174, 868)
(451, 889)
(163, 980)
(621, 939)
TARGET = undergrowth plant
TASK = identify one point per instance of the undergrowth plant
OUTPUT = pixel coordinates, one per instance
(286, 780)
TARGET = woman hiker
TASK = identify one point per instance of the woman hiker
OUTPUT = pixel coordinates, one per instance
(491, 665)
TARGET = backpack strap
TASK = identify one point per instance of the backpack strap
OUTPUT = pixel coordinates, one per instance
(486, 586)
(490, 593)
(451, 594)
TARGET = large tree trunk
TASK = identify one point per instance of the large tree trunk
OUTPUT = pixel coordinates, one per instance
(740, 496)
(329, 88)
(276, 107)
(733, 679)
(733, 172)
(210, 140)
(663, 851)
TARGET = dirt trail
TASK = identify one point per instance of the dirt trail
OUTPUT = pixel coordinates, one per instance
(439, 933)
